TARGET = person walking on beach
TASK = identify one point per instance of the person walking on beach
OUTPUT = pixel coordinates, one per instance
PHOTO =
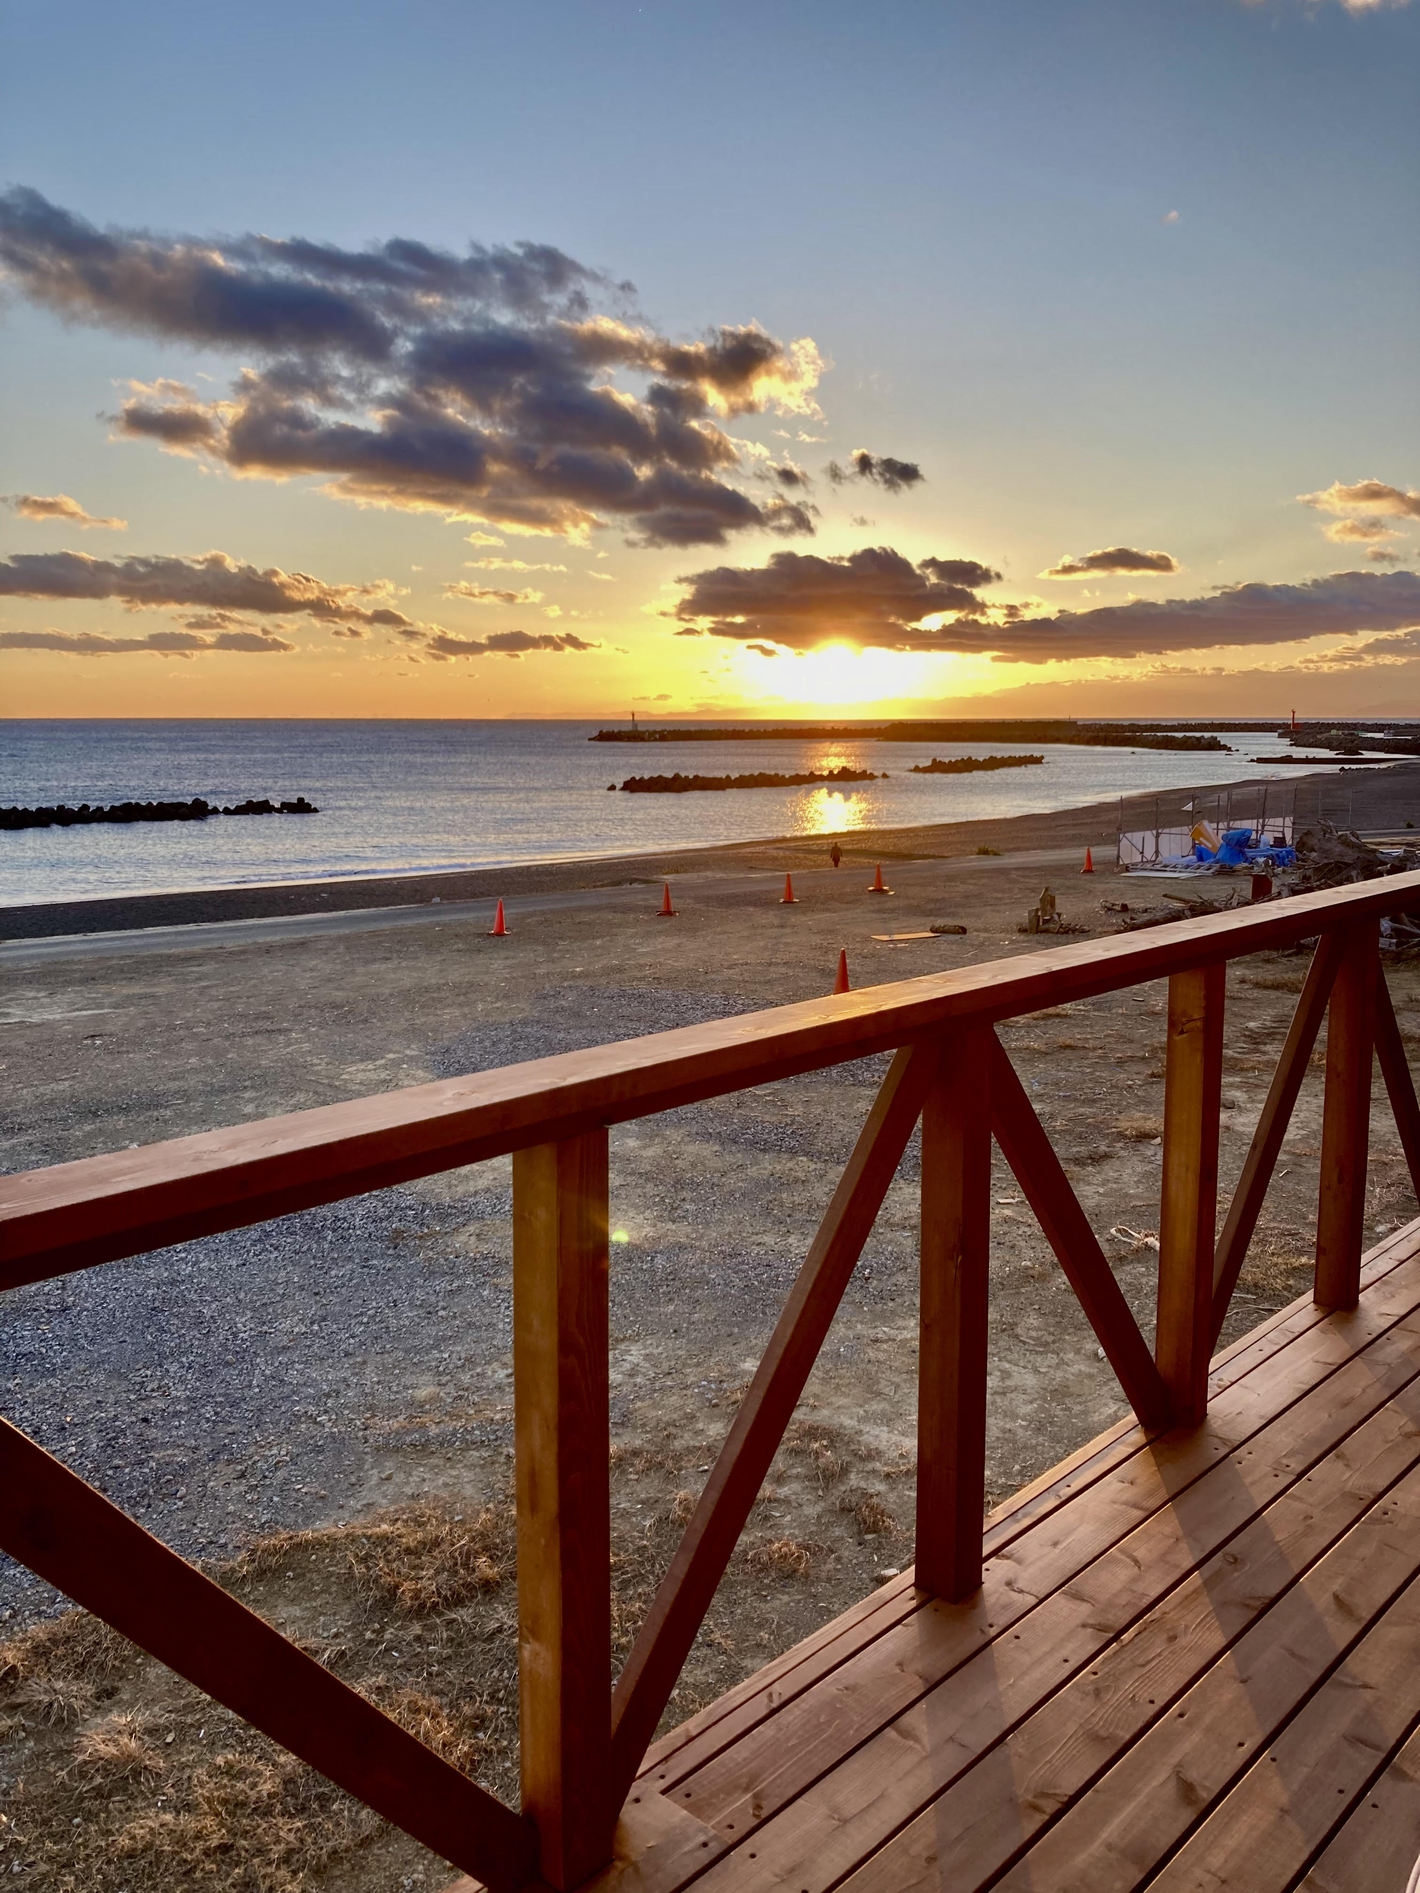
(835, 854)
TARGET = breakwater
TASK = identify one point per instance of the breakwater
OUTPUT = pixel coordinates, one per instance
(759, 779)
(60, 815)
(971, 765)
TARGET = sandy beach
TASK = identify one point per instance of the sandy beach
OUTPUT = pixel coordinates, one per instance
(322, 1372)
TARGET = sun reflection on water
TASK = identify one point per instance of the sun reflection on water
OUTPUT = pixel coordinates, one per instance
(831, 812)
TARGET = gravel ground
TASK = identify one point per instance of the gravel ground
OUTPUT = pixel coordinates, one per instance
(315, 1368)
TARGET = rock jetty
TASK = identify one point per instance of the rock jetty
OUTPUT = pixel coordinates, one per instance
(197, 810)
(761, 779)
(968, 765)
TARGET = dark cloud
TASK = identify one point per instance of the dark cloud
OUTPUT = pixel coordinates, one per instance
(506, 643)
(212, 582)
(1112, 559)
(876, 598)
(894, 476)
(478, 386)
(801, 600)
(41, 506)
(156, 643)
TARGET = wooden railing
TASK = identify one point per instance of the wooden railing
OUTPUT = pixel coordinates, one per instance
(582, 1741)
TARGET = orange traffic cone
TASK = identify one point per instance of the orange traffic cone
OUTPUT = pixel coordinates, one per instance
(667, 912)
(788, 898)
(1089, 866)
(877, 886)
(840, 984)
(500, 926)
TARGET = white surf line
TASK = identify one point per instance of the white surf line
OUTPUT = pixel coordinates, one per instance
(201, 935)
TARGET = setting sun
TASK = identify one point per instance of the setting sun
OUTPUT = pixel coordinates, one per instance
(839, 674)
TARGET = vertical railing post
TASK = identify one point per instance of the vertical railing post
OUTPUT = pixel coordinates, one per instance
(956, 1236)
(1188, 1206)
(1346, 1119)
(560, 1338)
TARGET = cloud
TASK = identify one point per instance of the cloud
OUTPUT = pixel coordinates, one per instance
(1368, 496)
(1170, 216)
(507, 643)
(490, 594)
(156, 643)
(1359, 531)
(801, 600)
(1112, 559)
(482, 386)
(876, 598)
(894, 476)
(213, 582)
(509, 565)
(39, 506)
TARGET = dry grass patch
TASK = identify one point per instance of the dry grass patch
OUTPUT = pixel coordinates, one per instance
(1138, 1127)
(1273, 982)
(783, 1557)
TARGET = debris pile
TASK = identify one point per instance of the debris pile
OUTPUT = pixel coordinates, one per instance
(1045, 917)
(1131, 916)
(1332, 857)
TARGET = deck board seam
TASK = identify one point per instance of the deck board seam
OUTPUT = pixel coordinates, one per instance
(1274, 1734)
(1165, 1707)
(1402, 1246)
(1354, 1805)
(1301, 1472)
(672, 1779)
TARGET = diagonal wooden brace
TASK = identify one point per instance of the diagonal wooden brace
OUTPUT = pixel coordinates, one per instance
(1272, 1124)
(679, 1606)
(1395, 1070)
(1028, 1150)
(84, 1545)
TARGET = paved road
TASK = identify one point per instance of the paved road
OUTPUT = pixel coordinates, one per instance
(734, 889)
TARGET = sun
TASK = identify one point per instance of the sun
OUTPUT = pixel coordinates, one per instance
(840, 674)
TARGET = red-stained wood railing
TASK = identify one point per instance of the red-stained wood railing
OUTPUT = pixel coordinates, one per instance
(582, 1740)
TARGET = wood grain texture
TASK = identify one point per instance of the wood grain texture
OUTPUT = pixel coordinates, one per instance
(1302, 1380)
(563, 1442)
(955, 1265)
(1276, 1115)
(679, 1607)
(1378, 1844)
(838, 1816)
(105, 1561)
(1056, 1207)
(779, 1760)
(127, 1202)
(1008, 1797)
(1316, 1766)
(1346, 1118)
(1188, 1207)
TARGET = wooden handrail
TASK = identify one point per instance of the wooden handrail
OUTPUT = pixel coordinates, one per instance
(581, 1745)
(99, 1209)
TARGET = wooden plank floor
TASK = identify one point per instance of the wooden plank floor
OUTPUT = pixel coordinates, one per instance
(1194, 1663)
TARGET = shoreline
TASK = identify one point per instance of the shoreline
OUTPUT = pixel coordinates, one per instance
(1381, 797)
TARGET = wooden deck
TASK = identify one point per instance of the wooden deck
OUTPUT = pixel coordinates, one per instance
(1188, 1658)
(1194, 1663)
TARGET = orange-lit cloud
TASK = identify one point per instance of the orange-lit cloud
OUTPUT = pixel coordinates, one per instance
(154, 643)
(58, 506)
(878, 599)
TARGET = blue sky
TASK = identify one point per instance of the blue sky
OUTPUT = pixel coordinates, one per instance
(1112, 275)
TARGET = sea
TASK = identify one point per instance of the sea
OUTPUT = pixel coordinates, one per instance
(421, 797)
